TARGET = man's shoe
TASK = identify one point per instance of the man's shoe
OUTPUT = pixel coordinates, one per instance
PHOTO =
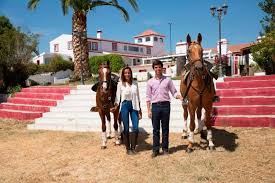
(165, 152)
(155, 154)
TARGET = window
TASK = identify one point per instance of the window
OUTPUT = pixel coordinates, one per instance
(125, 48)
(94, 46)
(141, 50)
(70, 45)
(133, 48)
(148, 50)
(56, 47)
(161, 40)
(147, 39)
(155, 39)
(139, 40)
(114, 46)
(89, 46)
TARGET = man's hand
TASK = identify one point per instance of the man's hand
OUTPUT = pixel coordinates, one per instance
(113, 109)
(179, 97)
(150, 114)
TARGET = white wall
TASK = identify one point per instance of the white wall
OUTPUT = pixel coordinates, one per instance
(62, 41)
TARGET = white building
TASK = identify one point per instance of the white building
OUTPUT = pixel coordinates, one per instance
(147, 44)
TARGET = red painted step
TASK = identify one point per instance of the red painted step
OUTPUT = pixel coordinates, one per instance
(263, 91)
(53, 96)
(244, 84)
(247, 78)
(245, 121)
(245, 110)
(47, 90)
(24, 107)
(29, 101)
(20, 115)
(246, 101)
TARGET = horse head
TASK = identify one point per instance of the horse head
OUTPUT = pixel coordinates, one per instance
(104, 76)
(195, 53)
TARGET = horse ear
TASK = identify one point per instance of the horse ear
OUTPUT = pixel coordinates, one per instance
(108, 62)
(188, 39)
(199, 39)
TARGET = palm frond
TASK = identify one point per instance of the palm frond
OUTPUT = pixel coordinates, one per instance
(134, 5)
(32, 4)
(65, 4)
(95, 4)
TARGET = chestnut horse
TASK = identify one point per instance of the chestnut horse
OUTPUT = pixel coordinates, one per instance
(198, 89)
(105, 98)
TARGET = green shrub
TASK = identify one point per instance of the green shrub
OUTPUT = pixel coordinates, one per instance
(13, 89)
(57, 63)
(116, 62)
(31, 68)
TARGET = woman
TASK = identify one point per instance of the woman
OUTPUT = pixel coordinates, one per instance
(127, 97)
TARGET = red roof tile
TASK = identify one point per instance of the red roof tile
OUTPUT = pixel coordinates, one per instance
(148, 33)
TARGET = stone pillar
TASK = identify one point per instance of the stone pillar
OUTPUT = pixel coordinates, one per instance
(181, 61)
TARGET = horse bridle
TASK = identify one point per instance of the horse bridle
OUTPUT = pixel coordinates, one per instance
(108, 82)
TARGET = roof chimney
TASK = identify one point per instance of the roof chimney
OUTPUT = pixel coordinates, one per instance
(98, 34)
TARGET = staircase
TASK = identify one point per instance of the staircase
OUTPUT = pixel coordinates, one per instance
(246, 102)
(31, 103)
(73, 113)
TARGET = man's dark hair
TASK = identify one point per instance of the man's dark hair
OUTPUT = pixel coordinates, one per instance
(157, 62)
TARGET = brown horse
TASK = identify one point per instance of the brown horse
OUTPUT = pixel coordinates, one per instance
(198, 89)
(105, 98)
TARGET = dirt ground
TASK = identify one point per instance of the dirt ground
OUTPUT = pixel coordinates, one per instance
(242, 155)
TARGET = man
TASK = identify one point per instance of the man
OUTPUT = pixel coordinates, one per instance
(158, 106)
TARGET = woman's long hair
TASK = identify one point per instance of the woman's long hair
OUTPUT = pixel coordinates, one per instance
(123, 79)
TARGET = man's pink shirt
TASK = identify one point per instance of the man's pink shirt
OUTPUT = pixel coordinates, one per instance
(158, 89)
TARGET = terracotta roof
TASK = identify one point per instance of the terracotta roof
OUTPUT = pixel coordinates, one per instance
(148, 33)
(237, 48)
(233, 48)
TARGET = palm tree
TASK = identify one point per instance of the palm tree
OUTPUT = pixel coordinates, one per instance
(79, 27)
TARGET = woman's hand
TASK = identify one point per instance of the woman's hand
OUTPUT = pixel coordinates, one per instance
(139, 114)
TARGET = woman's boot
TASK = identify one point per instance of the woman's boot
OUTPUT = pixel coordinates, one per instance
(134, 140)
(127, 143)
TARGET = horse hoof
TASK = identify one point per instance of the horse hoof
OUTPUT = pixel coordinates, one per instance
(196, 131)
(103, 147)
(109, 137)
(212, 148)
(184, 136)
(189, 150)
(117, 143)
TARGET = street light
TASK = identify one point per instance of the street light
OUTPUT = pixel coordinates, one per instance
(170, 24)
(81, 36)
(220, 11)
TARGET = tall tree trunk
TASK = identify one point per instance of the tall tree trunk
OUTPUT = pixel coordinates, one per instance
(80, 46)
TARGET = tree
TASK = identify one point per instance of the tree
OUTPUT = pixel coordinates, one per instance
(268, 22)
(79, 26)
(16, 50)
(264, 53)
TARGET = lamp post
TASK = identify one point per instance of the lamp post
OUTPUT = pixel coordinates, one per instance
(81, 36)
(220, 11)
(170, 24)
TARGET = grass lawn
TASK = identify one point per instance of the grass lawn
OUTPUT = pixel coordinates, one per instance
(242, 155)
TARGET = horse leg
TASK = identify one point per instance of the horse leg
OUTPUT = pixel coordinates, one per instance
(199, 123)
(117, 133)
(191, 129)
(103, 135)
(185, 126)
(109, 128)
(208, 111)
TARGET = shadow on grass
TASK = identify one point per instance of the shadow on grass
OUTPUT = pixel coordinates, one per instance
(222, 138)
(143, 145)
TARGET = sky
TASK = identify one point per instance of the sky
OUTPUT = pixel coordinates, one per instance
(241, 24)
